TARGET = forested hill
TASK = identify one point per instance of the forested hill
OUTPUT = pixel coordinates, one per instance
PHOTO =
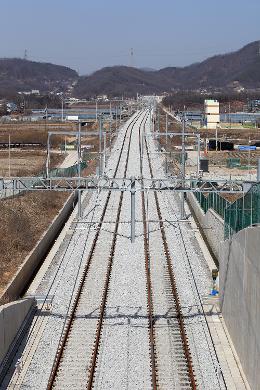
(23, 75)
(219, 71)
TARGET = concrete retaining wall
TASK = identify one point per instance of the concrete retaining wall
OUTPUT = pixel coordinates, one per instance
(239, 286)
(36, 256)
(212, 225)
(240, 298)
(12, 316)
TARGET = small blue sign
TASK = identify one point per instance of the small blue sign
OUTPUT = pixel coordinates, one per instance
(246, 147)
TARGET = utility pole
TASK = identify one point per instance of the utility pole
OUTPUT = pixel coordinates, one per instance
(46, 115)
(158, 119)
(166, 143)
(229, 115)
(110, 122)
(142, 147)
(132, 209)
(9, 155)
(249, 157)
(62, 114)
(198, 158)
(100, 145)
(79, 150)
(110, 129)
(79, 205)
(183, 162)
(258, 170)
(96, 111)
(48, 157)
(216, 146)
(105, 146)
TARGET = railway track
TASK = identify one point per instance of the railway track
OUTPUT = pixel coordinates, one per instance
(76, 357)
(124, 327)
(183, 376)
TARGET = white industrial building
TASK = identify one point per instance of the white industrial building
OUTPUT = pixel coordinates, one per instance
(211, 109)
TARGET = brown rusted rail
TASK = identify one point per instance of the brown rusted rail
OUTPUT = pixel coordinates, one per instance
(148, 280)
(173, 286)
(71, 316)
(149, 297)
(104, 298)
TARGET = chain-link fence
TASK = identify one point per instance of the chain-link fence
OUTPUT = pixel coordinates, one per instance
(237, 215)
(243, 212)
(212, 200)
(69, 171)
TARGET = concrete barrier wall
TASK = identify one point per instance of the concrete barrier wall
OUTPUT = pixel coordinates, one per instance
(212, 225)
(12, 316)
(240, 298)
(36, 256)
(239, 286)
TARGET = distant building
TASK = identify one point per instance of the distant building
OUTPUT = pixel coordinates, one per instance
(11, 107)
(102, 98)
(32, 92)
(211, 110)
(72, 118)
(254, 105)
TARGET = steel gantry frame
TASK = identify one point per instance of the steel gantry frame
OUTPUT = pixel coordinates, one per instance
(101, 183)
(176, 134)
(101, 133)
(132, 185)
(77, 134)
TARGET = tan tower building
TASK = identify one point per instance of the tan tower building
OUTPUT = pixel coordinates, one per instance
(211, 109)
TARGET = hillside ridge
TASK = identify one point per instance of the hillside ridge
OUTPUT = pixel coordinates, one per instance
(218, 71)
(18, 74)
(239, 68)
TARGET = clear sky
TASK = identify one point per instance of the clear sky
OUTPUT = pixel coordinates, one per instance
(87, 35)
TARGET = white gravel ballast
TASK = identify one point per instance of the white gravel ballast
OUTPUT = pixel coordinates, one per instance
(124, 351)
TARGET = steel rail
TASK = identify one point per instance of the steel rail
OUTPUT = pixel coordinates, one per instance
(175, 295)
(148, 278)
(71, 317)
(104, 299)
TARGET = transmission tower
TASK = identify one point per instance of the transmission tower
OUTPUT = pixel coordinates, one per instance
(132, 57)
(25, 57)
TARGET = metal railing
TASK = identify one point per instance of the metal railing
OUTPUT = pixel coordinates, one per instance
(212, 200)
(243, 212)
(71, 171)
(237, 215)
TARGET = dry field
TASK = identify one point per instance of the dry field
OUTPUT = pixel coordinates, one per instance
(26, 162)
(241, 135)
(37, 132)
(23, 219)
(31, 160)
(20, 224)
(220, 158)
